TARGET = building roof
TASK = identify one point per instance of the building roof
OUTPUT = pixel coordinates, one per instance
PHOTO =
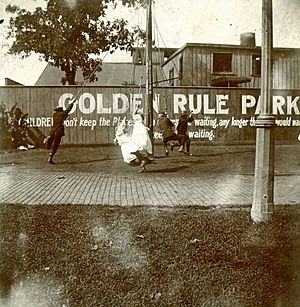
(132, 73)
(9, 81)
(112, 74)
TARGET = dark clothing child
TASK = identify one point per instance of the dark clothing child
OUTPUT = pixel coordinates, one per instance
(168, 134)
(57, 130)
(19, 130)
(182, 128)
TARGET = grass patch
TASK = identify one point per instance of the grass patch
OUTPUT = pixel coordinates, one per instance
(113, 256)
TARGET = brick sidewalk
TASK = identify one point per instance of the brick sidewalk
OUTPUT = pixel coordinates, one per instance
(43, 187)
(214, 176)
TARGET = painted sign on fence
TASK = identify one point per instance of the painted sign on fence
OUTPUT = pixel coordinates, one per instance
(224, 115)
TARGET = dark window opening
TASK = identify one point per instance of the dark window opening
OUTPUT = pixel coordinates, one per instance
(139, 56)
(256, 65)
(222, 62)
(180, 68)
(171, 77)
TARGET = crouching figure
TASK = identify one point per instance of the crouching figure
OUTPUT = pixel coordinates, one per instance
(136, 146)
(123, 139)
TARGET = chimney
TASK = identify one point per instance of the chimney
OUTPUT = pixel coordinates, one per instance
(248, 39)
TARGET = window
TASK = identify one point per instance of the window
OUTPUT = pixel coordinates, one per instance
(180, 68)
(256, 65)
(222, 62)
(171, 77)
(139, 56)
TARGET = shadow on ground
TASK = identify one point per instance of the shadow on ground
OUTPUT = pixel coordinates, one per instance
(205, 160)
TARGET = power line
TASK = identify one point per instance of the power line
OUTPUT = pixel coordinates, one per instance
(86, 80)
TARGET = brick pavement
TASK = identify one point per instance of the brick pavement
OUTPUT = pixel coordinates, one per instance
(41, 187)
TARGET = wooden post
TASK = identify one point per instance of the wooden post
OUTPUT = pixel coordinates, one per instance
(149, 75)
(263, 203)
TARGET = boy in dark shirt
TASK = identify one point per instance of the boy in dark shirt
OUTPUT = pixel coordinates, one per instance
(57, 130)
(168, 134)
(182, 129)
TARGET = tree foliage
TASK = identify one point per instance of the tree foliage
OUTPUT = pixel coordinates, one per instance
(72, 34)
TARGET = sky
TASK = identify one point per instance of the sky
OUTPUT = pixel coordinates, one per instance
(176, 22)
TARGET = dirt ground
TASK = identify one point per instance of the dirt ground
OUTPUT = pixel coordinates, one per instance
(205, 160)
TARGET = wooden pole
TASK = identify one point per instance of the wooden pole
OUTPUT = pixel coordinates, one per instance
(149, 74)
(263, 203)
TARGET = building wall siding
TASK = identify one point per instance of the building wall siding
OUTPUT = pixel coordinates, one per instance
(198, 63)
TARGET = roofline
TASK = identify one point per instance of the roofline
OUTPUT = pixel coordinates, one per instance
(42, 73)
(238, 46)
(14, 83)
(103, 63)
(156, 47)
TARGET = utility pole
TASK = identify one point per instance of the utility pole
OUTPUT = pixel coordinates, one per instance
(263, 203)
(149, 74)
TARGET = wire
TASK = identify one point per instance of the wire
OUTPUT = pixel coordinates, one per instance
(166, 47)
(86, 80)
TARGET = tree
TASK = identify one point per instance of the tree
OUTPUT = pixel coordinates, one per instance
(72, 34)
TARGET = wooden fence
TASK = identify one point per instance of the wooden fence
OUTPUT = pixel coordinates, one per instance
(222, 115)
